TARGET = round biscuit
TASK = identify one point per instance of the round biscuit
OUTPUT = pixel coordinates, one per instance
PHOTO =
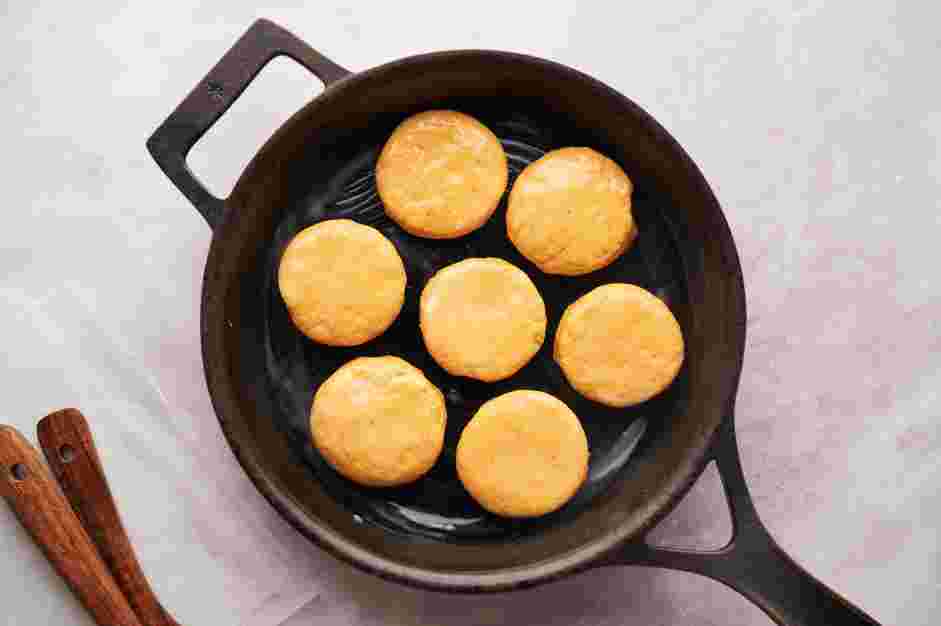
(569, 212)
(523, 454)
(482, 318)
(619, 345)
(441, 174)
(378, 421)
(343, 282)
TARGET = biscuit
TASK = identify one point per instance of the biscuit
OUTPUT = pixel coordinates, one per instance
(441, 174)
(343, 282)
(523, 454)
(378, 421)
(482, 318)
(569, 212)
(619, 345)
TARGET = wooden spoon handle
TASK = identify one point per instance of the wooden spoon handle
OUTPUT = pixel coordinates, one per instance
(67, 441)
(32, 493)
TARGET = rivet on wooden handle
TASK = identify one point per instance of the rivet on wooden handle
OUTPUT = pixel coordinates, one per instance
(67, 442)
(32, 493)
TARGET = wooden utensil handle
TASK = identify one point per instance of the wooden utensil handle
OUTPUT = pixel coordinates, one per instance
(67, 442)
(32, 493)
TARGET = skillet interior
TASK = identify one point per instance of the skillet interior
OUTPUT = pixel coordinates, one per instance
(262, 372)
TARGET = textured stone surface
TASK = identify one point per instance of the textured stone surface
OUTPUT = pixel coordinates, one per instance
(818, 125)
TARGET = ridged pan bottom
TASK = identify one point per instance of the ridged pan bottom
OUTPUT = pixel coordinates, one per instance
(437, 506)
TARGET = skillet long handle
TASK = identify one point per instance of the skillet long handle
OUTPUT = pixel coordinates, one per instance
(213, 96)
(32, 493)
(752, 563)
(68, 445)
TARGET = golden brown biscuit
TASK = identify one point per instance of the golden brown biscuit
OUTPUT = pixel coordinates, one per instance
(482, 318)
(379, 421)
(619, 345)
(570, 212)
(343, 282)
(523, 454)
(441, 174)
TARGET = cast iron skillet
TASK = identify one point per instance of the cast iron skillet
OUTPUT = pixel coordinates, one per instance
(261, 372)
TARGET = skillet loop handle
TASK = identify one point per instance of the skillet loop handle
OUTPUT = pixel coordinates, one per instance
(172, 141)
(752, 563)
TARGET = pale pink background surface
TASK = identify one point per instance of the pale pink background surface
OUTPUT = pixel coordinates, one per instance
(818, 124)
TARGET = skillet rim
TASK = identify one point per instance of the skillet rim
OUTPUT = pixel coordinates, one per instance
(222, 386)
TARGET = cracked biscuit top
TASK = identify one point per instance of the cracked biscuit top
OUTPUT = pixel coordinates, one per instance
(569, 212)
(441, 174)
